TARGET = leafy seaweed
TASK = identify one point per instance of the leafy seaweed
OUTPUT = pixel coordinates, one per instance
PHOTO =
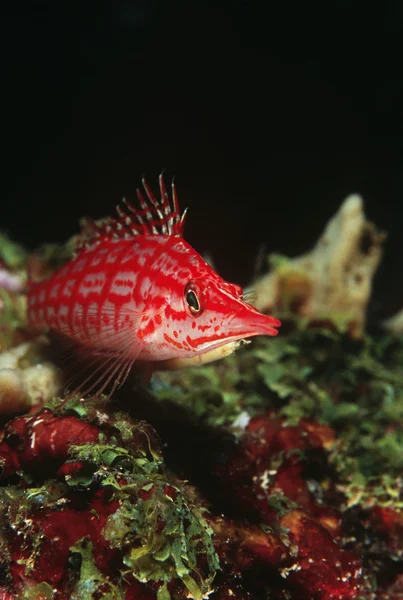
(12, 316)
(162, 533)
(355, 386)
(13, 255)
(91, 580)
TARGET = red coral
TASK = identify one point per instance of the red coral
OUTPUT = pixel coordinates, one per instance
(307, 558)
(41, 443)
(272, 459)
(298, 553)
(267, 471)
(31, 441)
(322, 569)
(5, 595)
(62, 529)
(389, 523)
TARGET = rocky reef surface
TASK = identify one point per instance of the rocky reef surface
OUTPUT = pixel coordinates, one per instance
(275, 473)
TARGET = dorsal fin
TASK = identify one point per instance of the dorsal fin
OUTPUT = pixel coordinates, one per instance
(154, 217)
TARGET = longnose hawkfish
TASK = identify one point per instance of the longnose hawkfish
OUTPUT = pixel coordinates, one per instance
(138, 292)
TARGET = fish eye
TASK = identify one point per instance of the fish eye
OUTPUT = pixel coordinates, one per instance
(193, 302)
(192, 299)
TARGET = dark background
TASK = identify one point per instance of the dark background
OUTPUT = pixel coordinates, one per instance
(268, 114)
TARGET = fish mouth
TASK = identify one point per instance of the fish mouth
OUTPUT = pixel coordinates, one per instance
(212, 354)
(244, 327)
(241, 330)
(221, 348)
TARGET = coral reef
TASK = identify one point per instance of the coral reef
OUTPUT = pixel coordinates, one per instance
(274, 473)
(292, 449)
(327, 452)
(127, 523)
(334, 280)
(26, 378)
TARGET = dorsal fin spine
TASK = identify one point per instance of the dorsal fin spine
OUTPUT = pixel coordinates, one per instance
(175, 199)
(165, 205)
(154, 217)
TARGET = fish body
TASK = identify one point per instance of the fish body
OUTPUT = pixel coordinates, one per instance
(139, 292)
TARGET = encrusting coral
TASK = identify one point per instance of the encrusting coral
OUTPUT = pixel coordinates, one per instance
(13, 266)
(334, 279)
(275, 473)
(26, 378)
(127, 521)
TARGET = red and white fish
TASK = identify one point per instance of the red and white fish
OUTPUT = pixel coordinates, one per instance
(137, 291)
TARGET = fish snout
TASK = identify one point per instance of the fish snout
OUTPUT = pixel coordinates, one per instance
(250, 322)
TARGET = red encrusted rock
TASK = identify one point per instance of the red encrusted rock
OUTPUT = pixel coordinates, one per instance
(294, 554)
(138, 591)
(308, 561)
(32, 440)
(60, 530)
(277, 437)
(272, 459)
(394, 591)
(321, 567)
(239, 545)
(388, 522)
(69, 469)
(4, 595)
(81, 513)
(231, 591)
(266, 478)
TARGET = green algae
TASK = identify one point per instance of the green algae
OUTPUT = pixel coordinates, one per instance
(354, 386)
(42, 590)
(12, 316)
(167, 553)
(12, 254)
(91, 582)
(12, 303)
(163, 532)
